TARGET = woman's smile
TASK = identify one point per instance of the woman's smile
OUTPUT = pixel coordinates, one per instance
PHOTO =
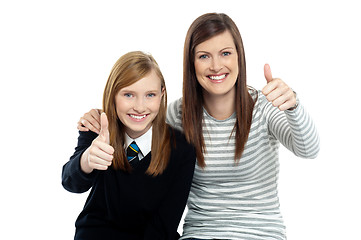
(216, 64)
(218, 78)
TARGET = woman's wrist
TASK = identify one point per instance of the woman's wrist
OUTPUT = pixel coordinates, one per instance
(293, 108)
(296, 105)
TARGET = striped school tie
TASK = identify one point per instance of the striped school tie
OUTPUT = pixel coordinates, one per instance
(132, 154)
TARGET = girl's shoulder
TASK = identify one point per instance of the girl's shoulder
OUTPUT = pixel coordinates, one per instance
(176, 134)
(182, 152)
(178, 139)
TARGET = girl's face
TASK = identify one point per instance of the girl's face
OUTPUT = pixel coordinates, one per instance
(138, 104)
(216, 64)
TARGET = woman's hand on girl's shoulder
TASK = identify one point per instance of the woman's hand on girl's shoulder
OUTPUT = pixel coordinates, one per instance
(90, 121)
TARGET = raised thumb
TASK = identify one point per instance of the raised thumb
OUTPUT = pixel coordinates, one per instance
(104, 131)
(267, 73)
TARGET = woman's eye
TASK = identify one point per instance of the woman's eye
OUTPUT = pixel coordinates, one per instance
(226, 53)
(203, 56)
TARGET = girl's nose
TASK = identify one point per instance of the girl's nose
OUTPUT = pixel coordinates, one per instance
(139, 105)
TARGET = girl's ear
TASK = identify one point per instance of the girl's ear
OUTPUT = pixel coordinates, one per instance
(163, 91)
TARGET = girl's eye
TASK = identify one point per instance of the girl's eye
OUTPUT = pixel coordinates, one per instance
(151, 95)
(128, 95)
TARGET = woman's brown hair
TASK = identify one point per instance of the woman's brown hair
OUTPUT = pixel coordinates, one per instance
(129, 69)
(202, 29)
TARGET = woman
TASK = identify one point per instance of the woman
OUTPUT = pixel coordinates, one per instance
(236, 131)
(138, 168)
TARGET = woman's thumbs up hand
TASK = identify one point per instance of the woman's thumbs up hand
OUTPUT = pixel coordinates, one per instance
(277, 91)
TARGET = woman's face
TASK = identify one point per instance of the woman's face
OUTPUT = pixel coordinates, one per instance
(216, 64)
(138, 104)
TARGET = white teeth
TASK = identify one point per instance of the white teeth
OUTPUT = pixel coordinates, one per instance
(220, 77)
(137, 117)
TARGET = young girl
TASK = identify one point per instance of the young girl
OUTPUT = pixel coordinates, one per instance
(138, 168)
(236, 131)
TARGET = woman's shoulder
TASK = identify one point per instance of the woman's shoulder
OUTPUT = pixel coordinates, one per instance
(258, 97)
(256, 94)
(253, 92)
(175, 106)
(174, 114)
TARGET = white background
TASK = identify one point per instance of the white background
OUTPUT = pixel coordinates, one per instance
(55, 57)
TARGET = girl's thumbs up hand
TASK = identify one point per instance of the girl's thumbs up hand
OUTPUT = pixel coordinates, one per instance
(100, 154)
(104, 131)
(277, 91)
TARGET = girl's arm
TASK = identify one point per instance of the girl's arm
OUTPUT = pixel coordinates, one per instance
(98, 155)
(73, 178)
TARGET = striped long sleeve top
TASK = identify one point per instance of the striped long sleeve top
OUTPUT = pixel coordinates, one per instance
(240, 201)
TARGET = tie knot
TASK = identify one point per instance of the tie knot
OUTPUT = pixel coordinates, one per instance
(132, 151)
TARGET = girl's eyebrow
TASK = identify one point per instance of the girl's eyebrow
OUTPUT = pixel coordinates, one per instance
(132, 91)
(125, 90)
(152, 91)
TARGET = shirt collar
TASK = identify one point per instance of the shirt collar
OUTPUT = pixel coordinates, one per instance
(144, 142)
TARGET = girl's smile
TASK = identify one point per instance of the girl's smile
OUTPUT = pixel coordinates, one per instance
(137, 118)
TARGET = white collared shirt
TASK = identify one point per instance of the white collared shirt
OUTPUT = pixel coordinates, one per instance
(144, 143)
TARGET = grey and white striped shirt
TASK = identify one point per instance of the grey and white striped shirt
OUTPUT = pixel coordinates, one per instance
(240, 201)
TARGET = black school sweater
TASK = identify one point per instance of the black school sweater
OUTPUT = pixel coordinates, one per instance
(133, 205)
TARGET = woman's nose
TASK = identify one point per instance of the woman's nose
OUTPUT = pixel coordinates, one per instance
(216, 64)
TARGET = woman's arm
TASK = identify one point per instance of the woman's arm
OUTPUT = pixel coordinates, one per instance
(295, 130)
(287, 119)
(90, 121)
